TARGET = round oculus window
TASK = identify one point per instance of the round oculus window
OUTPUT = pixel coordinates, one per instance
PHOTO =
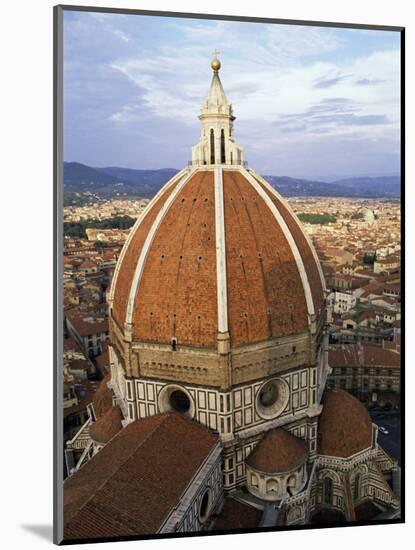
(179, 401)
(176, 398)
(268, 394)
(272, 398)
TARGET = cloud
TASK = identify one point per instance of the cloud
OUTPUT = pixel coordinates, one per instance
(369, 81)
(330, 82)
(134, 85)
(351, 119)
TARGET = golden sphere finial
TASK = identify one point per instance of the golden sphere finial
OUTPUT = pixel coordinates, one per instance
(215, 64)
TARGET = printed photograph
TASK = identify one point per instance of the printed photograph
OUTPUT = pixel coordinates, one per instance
(231, 275)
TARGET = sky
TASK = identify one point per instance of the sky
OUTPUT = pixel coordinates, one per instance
(312, 102)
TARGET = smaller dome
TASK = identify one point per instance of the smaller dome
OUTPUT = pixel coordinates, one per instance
(278, 452)
(106, 427)
(345, 427)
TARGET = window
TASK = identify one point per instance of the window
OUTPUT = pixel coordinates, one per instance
(174, 344)
(222, 146)
(230, 463)
(328, 491)
(268, 394)
(272, 486)
(254, 480)
(205, 505)
(212, 147)
(179, 401)
(356, 488)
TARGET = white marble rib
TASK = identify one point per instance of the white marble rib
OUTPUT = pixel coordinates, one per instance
(297, 221)
(136, 226)
(220, 252)
(143, 254)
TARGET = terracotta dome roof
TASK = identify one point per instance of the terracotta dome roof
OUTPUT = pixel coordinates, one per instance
(102, 399)
(217, 250)
(107, 426)
(345, 427)
(277, 452)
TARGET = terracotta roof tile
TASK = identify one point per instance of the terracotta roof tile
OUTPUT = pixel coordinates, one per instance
(102, 399)
(84, 326)
(236, 515)
(265, 294)
(345, 427)
(177, 292)
(176, 295)
(134, 482)
(107, 426)
(360, 355)
(129, 261)
(278, 451)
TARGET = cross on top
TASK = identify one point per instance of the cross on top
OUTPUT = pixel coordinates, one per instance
(215, 53)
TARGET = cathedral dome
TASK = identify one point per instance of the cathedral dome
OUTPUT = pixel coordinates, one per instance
(345, 426)
(217, 251)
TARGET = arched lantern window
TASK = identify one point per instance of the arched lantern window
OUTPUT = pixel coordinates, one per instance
(212, 147)
(222, 146)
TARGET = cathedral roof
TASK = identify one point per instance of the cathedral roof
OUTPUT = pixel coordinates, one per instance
(237, 515)
(134, 482)
(345, 426)
(216, 251)
(106, 426)
(278, 452)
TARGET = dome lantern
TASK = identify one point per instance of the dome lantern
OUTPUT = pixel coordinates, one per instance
(217, 144)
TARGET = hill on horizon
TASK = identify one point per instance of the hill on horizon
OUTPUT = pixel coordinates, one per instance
(114, 181)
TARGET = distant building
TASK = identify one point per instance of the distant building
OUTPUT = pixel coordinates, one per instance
(342, 301)
(90, 332)
(371, 373)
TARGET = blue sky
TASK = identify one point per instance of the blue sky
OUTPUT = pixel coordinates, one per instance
(309, 101)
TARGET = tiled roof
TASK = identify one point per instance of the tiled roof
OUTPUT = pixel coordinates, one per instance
(107, 426)
(79, 364)
(134, 482)
(361, 355)
(237, 515)
(102, 400)
(103, 361)
(176, 294)
(345, 427)
(278, 451)
(86, 327)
